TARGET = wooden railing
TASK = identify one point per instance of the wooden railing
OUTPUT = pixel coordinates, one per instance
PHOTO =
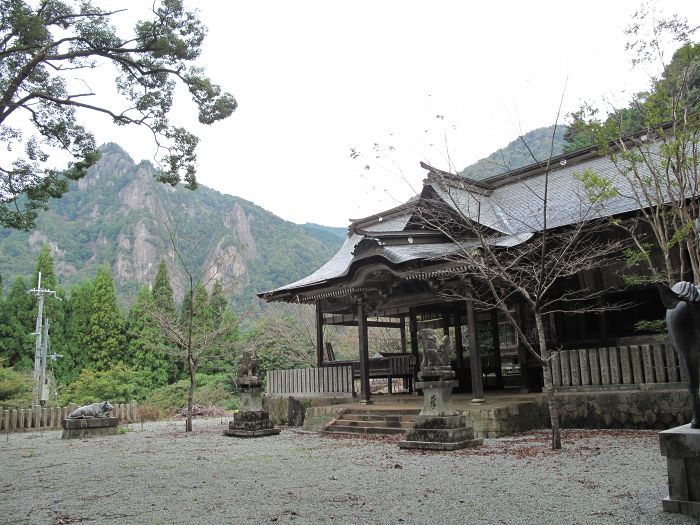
(39, 418)
(326, 380)
(395, 366)
(622, 365)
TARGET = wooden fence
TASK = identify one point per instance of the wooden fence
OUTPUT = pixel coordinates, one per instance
(621, 365)
(39, 418)
(326, 380)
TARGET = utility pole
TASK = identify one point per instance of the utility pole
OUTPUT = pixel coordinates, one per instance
(42, 335)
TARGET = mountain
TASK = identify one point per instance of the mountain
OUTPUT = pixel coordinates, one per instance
(117, 215)
(516, 155)
(326, 234)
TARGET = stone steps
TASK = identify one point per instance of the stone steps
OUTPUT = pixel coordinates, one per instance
(369, 421)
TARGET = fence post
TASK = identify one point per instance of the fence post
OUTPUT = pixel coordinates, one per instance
(637, 370)
(556, 369)
(671, 364)
(659, 364)
(625, 365)
(585, 371)
(595, 366)
(604, 366)
(648, 365)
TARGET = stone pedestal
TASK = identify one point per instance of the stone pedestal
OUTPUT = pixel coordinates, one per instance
(681, 446)
(439, 426)
(251, 420)
(89, 427)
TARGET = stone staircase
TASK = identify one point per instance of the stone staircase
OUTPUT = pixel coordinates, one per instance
(372, 421)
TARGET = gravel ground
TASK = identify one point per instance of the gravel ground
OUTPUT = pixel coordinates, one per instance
(159, 474)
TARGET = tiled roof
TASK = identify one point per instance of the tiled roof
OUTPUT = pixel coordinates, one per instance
(512, 206)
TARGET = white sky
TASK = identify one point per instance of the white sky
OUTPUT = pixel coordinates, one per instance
(316, 78)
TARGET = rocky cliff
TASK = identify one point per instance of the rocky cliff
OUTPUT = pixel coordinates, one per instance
(119, 214)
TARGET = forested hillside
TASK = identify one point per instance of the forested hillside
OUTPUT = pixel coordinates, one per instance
(516, 154)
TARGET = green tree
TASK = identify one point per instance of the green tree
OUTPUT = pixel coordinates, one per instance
(162, 290)
(146, 343)
(105, 340)
(17, 320)
(41, 41)
(44, 264)
(658, 169)
(69, 335)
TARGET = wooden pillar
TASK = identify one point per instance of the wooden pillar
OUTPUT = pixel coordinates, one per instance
(413, 328)
(475, 353)
(319, 334)
(496, 347)
(445, 322)
(402, 330)
(364, 352)
(459, 347)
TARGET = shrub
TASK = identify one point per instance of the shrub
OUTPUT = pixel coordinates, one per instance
(119, 384)
(211, 390)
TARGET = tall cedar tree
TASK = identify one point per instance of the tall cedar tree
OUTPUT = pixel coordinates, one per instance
(162, 290)
(70, 341)
(146, 351)
(105, 339)
(49, 49)
(16, 327)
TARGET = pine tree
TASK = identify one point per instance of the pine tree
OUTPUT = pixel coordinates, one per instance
(105, 339)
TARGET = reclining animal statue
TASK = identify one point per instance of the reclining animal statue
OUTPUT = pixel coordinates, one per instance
(682, 304)
(94, 410)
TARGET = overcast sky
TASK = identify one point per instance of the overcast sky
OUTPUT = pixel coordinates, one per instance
(315, 79)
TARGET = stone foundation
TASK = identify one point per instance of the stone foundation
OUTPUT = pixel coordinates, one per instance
(439, 426)
(650, 408)
(440, 433)
(251, 423)
(681, 446)
(90, 427)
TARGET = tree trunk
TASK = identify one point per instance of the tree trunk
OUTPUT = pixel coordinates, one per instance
(548, 383)
(190, 395)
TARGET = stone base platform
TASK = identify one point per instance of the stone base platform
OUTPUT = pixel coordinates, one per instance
(445, 432)
(681, 446)
(251, 423)
(89, 427)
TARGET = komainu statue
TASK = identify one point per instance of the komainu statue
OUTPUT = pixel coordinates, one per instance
(435, 354)
(248, 365)
(682, 304)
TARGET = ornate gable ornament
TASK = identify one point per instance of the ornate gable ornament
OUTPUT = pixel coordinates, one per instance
(368, 245)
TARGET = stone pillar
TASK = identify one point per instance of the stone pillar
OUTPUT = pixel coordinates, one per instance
(681, 446)
(439, 426)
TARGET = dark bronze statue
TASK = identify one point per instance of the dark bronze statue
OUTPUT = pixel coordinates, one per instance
(682, 304)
